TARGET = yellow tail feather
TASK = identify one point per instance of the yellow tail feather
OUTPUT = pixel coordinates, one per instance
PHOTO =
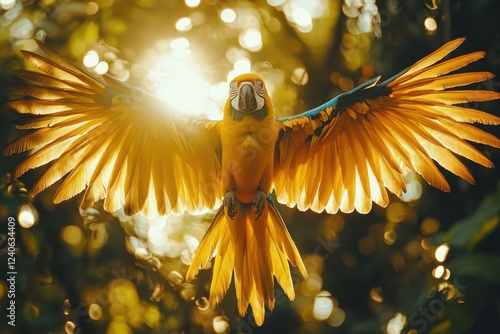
(255, 251)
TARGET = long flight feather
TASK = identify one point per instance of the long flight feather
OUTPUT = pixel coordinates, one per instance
(439, 69)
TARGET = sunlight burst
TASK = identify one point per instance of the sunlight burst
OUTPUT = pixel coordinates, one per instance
(180, 83)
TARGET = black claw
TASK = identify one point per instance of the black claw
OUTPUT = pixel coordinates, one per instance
(258, 213)
(231, 211)
(259, 202)
(230, 201)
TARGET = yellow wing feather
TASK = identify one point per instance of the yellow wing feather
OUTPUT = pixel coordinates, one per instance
(343, 155)
(137, 154)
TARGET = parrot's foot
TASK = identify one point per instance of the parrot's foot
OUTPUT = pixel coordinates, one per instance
(259, 201)
(230, 201)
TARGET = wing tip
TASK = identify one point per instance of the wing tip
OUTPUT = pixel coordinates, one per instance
(456, 42)
(191, 274)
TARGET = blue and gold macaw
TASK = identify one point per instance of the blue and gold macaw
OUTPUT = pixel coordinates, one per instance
(130, 149)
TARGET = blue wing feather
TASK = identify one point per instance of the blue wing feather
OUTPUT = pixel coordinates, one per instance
(333, 103)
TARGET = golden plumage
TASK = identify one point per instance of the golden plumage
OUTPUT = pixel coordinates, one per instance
(129, 149)
(361, 152)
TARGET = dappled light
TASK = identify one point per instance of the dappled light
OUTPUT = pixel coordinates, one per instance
(430, 25)
(28, 215)
(396, 324)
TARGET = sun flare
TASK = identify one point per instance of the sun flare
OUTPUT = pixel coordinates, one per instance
(179, 82)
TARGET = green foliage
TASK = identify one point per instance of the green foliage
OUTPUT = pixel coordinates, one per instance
(458, 304)
(467, 233)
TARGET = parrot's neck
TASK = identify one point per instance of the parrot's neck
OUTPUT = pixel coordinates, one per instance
(258, 114)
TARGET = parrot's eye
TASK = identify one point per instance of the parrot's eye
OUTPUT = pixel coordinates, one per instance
(233, 89)
(259, 87)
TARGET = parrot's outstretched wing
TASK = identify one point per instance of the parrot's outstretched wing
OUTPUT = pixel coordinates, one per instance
(346, 153)
(114, 141)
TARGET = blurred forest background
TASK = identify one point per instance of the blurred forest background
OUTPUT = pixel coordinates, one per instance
(427, 264)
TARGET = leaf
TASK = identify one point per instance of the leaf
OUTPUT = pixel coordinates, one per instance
(483, 268)
(486, 228)
(441, 328)
(468, 232)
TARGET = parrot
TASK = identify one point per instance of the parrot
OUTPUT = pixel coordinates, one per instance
(131, 150)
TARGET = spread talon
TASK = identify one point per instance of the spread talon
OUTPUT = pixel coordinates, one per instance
(230, 201)
(259, 202)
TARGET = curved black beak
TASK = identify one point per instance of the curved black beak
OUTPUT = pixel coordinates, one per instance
(247, 102)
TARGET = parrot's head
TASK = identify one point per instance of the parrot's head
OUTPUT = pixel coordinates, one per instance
(248, 95)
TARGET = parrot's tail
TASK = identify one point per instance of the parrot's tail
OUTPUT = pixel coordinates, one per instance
(256, 250)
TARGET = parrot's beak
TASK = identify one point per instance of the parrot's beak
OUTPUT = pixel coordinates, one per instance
(247, 97)
(246, 101)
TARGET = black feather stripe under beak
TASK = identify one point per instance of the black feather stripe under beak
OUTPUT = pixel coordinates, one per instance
(247, 102)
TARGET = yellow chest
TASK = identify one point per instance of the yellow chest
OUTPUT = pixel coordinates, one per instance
(250, 141)
(248, 133)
